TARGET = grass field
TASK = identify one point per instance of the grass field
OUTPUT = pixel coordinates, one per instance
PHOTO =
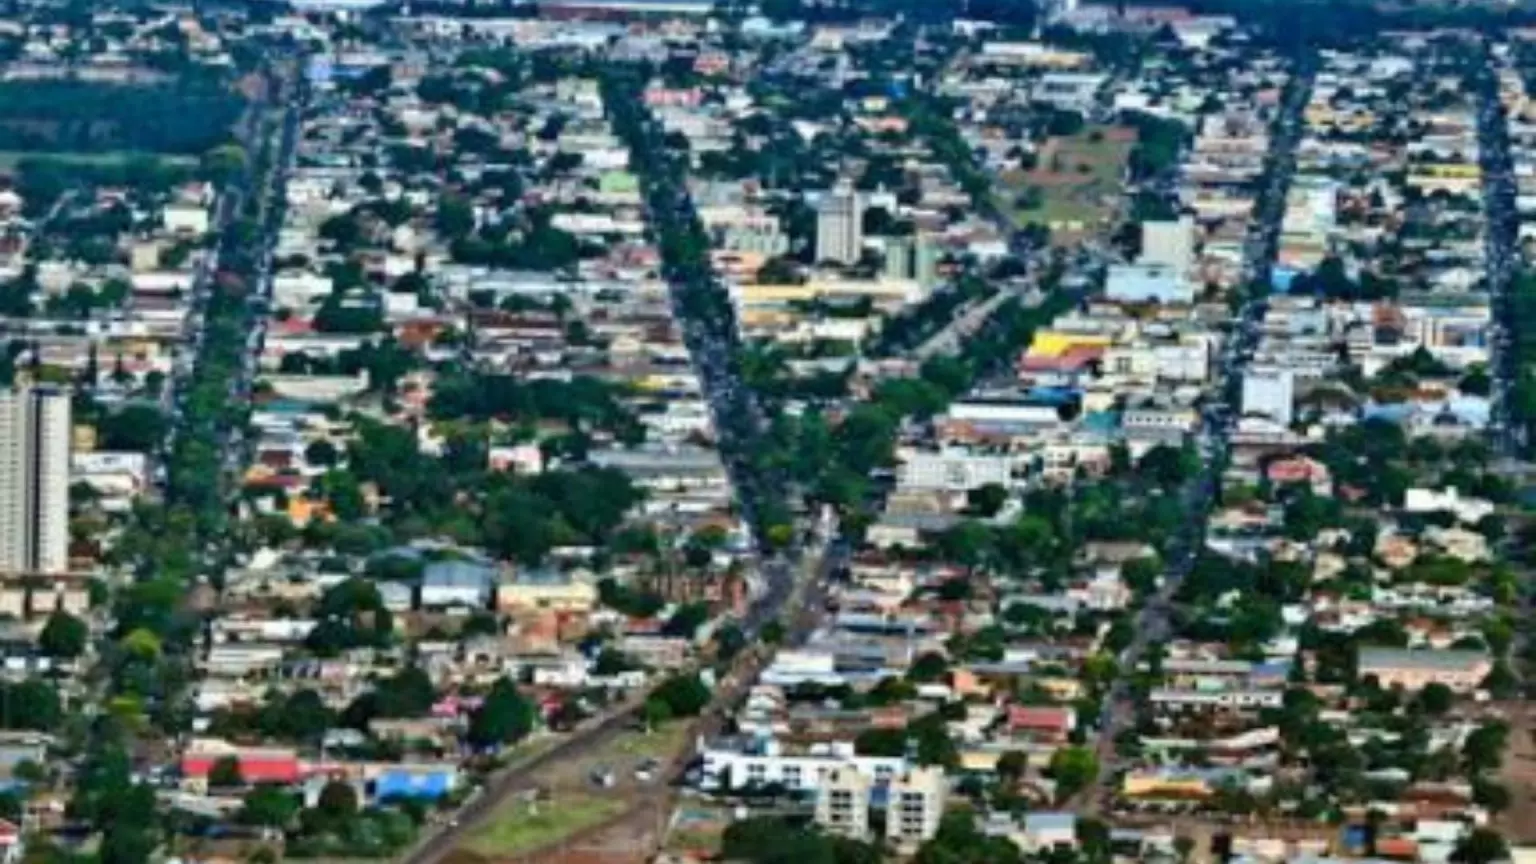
(1077, 179)
(519, 827)
(638, 744)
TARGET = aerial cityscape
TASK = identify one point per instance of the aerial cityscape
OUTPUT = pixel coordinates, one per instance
(767, 431)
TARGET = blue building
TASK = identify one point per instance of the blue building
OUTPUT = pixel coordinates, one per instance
(420, 782)
(1148, 283)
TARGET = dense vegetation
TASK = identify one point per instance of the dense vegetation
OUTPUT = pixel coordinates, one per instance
(186, 117)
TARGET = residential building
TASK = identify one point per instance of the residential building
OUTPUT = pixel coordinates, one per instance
(1169, 244)
(842, 807)
(34, 480)
(839, 227)
(1411, 670)
(1148, 283)
(1269, 394)
(915, 804)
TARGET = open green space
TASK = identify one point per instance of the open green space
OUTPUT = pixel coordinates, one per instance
(1075, 180)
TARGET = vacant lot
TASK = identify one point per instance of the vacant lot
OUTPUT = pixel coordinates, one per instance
(564, 810)
(519, 827)
(620, 755)
(1076, 182)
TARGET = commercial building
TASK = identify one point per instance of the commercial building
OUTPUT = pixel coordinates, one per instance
(34, 480)
(839, 227)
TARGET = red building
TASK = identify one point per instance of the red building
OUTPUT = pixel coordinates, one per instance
(257, 764)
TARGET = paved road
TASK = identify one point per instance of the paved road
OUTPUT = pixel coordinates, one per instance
(739, 421)
(805, 596)
(1153, 622)
(1500, 238)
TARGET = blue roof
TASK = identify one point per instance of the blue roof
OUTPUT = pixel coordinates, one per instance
(287, 406)
(1037, 822)
(1100, 421)
(458, 574)
(1053, 395)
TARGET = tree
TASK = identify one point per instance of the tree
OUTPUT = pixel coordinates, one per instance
(338, 801)
(1073, 769)
(225, 773)
(958, 841)
(455, 216)
(686, 695)
(1480, 846)
(986, 500)
(1483, 749)
(929, 666)
(30, 772)
(877, 741)
(775, 840)
(224, 163)
(657, 712)
(269, 805)
(301, 716)
(1011, 765)
(729, 642)
(772, 632)
(1436, 699)
(1492, 796)
(138, 428)
(322, 453)
(64, 636)
(503, 718)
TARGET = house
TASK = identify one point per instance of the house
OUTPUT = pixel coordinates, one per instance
(1044, 831)
(1050, 722)
(545, 588)
(12, 846)
(1466, 509)
(457, 584)
(185, 218)
(1412, 670)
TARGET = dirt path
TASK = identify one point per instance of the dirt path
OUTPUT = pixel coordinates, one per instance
(1518, 776)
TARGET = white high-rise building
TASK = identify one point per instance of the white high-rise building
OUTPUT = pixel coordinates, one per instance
(842, 805)
(34, 480)
(1169, 243)
(840, 227)
(1271, 394)
(914, 806)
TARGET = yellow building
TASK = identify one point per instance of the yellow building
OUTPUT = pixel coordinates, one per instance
(553, 590)
(1138, 785)
(1054, 343)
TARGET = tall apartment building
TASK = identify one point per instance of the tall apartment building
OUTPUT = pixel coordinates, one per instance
(842, 805)
(914, 806)
(912, 258)
(1270, 393)
(840, 227)
(1169, 244)
(34, 480)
